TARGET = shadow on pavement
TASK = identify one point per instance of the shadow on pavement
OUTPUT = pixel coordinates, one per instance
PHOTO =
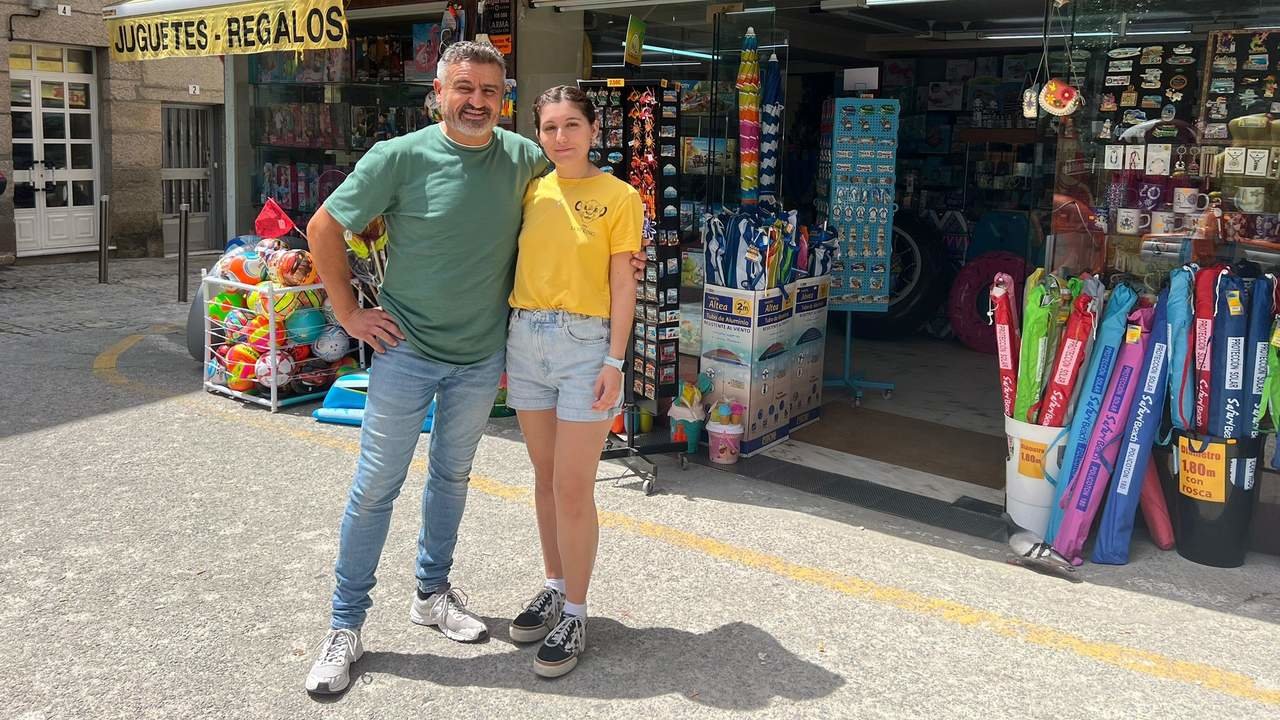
(736, 666)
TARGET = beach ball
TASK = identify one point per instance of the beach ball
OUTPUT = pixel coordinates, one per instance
(267, 247)
(258, 333)
(294, 267)
(332, 344)
(285, 302)
(236, 324)
(345, 366)
(274, 369)
(223, 303)
(249, 267)
(241, 367)
(312, 298)
(305, 325)
(300, 353)
(310, 376)
(214, 372)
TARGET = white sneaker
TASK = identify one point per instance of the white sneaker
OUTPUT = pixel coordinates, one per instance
(448, 611)
(330, 673)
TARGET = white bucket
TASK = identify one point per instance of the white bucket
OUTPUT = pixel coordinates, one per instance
(1028, 495)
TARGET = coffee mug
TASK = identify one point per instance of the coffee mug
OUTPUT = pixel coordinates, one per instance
(1101, 220)
(1189, 200)
(1235, 226)
(1167, 223)
(1251, 199)
(1131, 221)
(1150, 195)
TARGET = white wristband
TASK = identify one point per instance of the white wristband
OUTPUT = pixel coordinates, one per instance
(615, 363)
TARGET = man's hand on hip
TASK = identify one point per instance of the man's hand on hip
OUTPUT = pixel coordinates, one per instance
(373, 326)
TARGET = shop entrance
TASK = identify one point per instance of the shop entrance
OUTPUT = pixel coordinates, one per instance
(55, 151)
(187, 175)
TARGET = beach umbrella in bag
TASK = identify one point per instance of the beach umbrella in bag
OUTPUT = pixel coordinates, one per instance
(1205, 306)
(1089, 485)
(1182, 364)
(1227, 418)
(1262, 312)
(770, 127)
(748, 85)
(1004, 317)
(1102, 361)
(1066, 367)
(1134, 458)
(1039, 309)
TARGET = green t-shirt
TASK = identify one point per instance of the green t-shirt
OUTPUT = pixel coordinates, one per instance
(453, 217)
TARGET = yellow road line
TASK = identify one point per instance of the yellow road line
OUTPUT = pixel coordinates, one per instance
(1143, 662)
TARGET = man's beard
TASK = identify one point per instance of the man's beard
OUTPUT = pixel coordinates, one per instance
(472, 128)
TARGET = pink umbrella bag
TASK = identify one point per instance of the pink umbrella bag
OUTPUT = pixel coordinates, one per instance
(1088, 487)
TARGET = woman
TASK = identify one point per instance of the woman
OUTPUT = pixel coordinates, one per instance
(573, 303)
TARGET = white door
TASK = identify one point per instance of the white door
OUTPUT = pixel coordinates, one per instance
(54, 105)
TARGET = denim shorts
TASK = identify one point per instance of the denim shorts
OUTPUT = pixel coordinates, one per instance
(553, 360)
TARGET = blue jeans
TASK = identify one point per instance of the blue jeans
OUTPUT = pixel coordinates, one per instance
(402, 384)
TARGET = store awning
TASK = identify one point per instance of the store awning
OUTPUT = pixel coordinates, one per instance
(151, 29)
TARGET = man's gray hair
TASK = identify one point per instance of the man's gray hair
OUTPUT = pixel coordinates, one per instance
(468, 51)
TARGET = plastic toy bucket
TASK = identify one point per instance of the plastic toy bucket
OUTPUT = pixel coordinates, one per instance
(724, 442)
(1033, 450)
(687, 431)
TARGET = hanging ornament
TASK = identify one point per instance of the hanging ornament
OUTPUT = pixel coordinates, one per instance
(1029, 109)
(1059, 98)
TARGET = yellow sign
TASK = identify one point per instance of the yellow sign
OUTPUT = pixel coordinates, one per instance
(250, 27)
(1031, 459)
(1202, 472)
(742, 307)
(633, 53)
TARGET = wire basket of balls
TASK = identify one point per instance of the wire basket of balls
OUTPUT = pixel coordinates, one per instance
(271, 337)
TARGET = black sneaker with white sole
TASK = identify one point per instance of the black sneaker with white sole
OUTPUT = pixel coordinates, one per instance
(539, 617)
(559, 652)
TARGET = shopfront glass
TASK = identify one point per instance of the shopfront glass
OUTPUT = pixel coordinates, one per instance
(1175, 153)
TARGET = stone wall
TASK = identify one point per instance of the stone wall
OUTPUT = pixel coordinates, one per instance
(130, 95)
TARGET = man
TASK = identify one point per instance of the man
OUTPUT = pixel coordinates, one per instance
(451, 196)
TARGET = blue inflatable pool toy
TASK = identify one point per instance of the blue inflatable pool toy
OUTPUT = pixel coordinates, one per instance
(345, 401)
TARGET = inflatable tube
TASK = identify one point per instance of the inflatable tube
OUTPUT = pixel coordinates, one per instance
(1102, 360)
(1181, 347)
(1134, 458)
(970, 289)
(1089, 484)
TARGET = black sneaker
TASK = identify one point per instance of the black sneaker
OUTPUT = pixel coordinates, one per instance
(540, 616)
(559, 652)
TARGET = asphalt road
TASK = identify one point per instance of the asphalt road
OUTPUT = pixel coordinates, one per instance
(169, 554)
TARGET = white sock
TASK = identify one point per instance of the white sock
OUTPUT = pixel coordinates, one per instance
(576, 610)
(556, 584)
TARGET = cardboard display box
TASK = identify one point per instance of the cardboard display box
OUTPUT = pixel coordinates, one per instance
(746, 351)
(808, 348)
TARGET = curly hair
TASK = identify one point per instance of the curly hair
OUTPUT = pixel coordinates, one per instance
(468, 51)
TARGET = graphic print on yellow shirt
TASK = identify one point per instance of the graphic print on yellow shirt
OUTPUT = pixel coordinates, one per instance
(571, 227)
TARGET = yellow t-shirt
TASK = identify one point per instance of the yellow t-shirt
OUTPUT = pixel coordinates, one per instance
(570, 228)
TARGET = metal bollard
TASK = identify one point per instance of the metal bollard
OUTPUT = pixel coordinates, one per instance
(184, 215)
(104, 234)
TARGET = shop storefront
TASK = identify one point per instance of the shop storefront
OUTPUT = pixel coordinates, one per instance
(896, 158)
(1138, 178)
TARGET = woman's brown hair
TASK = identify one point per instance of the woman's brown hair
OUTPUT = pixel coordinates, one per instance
(564, 93)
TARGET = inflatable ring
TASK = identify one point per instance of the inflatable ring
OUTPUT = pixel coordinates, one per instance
(967, 305)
